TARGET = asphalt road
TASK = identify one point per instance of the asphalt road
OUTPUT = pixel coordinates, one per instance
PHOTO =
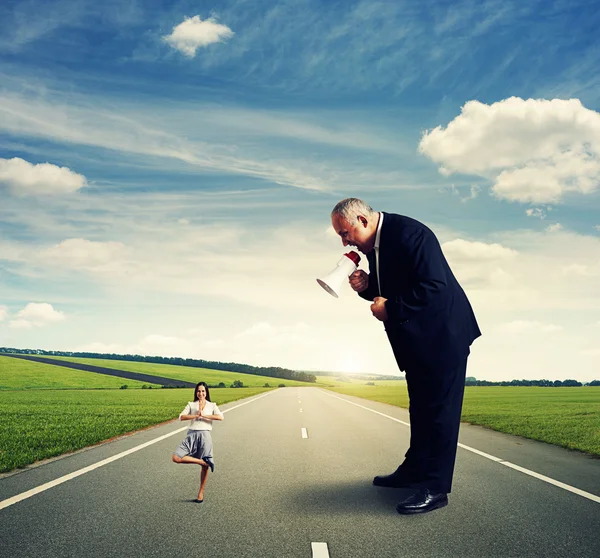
(274, 492)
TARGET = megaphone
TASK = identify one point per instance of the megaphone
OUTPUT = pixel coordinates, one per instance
(333, 281)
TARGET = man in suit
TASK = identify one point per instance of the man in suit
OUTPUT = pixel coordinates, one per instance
(430, 326)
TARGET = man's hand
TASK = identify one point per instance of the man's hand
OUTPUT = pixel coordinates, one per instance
(378, 308)
(359, 280)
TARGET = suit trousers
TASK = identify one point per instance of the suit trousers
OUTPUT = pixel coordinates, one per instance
(435, 404)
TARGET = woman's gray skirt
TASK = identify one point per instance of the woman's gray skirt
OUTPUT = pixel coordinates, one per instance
(198, 444)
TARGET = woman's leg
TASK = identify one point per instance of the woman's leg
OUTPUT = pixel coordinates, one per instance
(189, 459)
(203, 478)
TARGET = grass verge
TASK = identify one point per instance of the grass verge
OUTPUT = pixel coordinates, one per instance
(42, 424)
(564, 416)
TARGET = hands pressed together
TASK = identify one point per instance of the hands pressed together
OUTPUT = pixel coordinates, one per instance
(200, 414)
(359, 281)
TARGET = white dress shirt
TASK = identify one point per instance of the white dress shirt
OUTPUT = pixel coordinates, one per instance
(376, 247)
(210, 408)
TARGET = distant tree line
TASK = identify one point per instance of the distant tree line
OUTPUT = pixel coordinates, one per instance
(470, 381)
(271, 371)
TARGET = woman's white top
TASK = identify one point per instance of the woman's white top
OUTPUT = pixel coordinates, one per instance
(201, 424)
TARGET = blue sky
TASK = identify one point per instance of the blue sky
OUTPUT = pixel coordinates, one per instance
(167, 170)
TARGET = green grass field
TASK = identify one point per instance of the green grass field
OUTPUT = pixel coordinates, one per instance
(36, 425)
(332, 381)
(25, 374)
(563, 416)
(186, 373)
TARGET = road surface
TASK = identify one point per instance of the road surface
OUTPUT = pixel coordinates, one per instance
(294, 468)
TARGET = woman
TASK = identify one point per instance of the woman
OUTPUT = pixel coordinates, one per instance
(197, 446)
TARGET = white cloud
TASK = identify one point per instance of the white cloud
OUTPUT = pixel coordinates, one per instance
(25, 179)
(528, 271)
(548, 180)
(581, 270)
(468, 250)
(3, 313)
(597, 227)
(534, 150)
(539, 212)
(37, 314)
(474, 192)
(554, 228)
(79, 253)
(194, 33)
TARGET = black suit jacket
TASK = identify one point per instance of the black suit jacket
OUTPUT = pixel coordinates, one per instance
(430, 320)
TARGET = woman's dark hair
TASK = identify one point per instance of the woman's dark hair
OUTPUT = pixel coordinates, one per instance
(196, 391)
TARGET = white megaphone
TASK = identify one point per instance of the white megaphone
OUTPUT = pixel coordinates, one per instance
(345, 267)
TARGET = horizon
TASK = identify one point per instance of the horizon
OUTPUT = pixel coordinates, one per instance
(168, 169)
(368, 375)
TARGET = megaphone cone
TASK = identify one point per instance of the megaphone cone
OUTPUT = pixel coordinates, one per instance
(332, 282)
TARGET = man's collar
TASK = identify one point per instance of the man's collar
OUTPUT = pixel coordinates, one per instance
(378, 236)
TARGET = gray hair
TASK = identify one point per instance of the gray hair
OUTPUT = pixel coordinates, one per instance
(351, 208)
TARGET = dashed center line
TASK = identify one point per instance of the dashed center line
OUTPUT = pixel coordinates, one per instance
(319, 550)
(304, 433)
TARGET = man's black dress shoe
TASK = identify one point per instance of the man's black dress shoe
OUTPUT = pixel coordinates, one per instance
(422, 501)
(395, 480)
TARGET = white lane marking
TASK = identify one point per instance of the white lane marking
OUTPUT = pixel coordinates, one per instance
(562, 485)
(367, 408)
(549, 480)
(304, 433)
(319, 550)
(483, 454)
(300, 410)
(65, 478)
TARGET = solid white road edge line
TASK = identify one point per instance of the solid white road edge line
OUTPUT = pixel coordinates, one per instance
(319, 550)
(304, 433)
(549, 480)
(368, 409)
(65, 478)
